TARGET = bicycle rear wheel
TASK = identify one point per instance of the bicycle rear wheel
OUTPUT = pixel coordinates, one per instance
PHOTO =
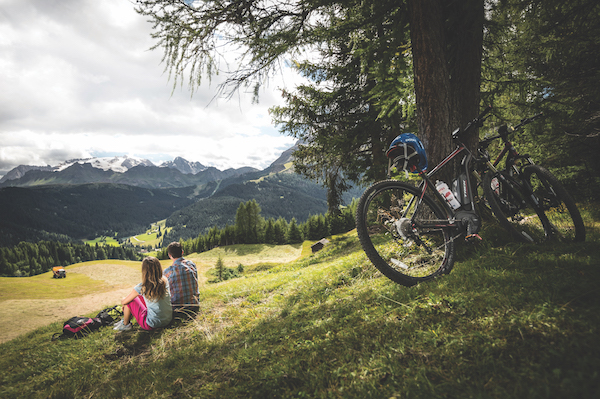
(408, 240)
(561, 218)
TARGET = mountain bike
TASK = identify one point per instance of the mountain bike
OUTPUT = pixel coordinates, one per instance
(408, 232)
(526, 198)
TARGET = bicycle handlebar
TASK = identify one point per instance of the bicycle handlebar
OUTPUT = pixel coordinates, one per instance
(477, 122)
(525, 121)
(504, 130)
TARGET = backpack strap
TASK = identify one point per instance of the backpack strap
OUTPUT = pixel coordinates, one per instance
(57, 336)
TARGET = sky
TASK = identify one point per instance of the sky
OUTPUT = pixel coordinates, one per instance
(77, 80)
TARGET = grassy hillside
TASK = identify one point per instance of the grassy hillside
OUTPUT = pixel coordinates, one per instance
(510, 321)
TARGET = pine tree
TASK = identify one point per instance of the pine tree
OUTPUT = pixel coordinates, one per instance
(545, 57)
(294, 234)
(270, 232)
(441, 39)
(220, 268)
(280, 230)
(248, 222)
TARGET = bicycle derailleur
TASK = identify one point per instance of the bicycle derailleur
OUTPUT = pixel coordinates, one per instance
(404, 228)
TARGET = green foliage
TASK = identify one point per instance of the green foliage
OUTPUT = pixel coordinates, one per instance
(358, 99)
(223, 273)
(373, 67)
(248, 223)
(252, 228)
(544, 57)
(294, 234)
(219, 268)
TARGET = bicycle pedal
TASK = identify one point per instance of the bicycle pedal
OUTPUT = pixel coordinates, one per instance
(473, 238)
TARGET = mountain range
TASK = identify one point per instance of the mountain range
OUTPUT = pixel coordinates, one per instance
(88, 198)
(120, 170)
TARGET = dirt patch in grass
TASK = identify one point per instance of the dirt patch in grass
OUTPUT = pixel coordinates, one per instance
(35, 313)
(115, 275)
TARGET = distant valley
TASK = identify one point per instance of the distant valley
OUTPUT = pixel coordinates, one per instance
(84, 199)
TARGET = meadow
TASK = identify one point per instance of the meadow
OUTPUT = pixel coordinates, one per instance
(510, 321)
(152, 237)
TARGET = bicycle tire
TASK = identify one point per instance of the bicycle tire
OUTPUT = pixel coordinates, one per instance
(563, 221)
(406, 253)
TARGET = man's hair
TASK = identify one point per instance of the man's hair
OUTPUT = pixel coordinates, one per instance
(175, 250)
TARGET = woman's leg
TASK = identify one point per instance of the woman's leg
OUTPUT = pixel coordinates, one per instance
(137, 308)
(126, 314)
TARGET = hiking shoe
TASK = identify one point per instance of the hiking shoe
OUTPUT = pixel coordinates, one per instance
(122, 327)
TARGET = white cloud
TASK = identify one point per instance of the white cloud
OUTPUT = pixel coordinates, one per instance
(78, 80)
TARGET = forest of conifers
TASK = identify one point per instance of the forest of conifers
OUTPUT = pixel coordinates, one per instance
(251, 228)
(29, 259)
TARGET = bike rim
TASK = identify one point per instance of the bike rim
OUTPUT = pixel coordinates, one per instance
(407, 238)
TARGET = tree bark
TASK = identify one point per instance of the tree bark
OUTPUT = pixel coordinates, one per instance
(464, 33)
(446, 38)
(431, 75)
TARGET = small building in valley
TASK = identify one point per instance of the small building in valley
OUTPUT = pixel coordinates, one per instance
(317, 246)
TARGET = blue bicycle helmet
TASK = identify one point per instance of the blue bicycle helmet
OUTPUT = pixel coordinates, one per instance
(407, 152)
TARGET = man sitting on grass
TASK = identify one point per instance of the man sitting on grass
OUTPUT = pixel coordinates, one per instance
(183, 281)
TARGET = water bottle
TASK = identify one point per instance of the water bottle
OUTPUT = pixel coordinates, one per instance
(495, 186)
(446, 193)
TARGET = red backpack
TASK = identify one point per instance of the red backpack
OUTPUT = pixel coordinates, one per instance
(78, 326)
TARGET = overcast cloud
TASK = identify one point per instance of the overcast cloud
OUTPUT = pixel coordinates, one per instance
(77, 80)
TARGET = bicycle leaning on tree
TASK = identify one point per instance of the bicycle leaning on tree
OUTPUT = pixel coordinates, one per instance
(526, 198)
(409, 232)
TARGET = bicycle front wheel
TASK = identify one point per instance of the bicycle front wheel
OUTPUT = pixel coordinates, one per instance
(407, 239)
(560, 217)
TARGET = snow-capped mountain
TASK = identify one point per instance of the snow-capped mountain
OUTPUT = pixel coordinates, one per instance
(19, 171)
(184, 166)
(120, 164)
(120, 170)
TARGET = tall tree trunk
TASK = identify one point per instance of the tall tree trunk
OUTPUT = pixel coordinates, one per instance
(432, 83)
(447, 39)
(464, 38)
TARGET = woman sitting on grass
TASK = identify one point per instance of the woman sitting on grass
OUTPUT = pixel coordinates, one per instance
(150, 301)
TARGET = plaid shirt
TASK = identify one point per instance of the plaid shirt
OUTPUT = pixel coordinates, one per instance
(183, 282)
